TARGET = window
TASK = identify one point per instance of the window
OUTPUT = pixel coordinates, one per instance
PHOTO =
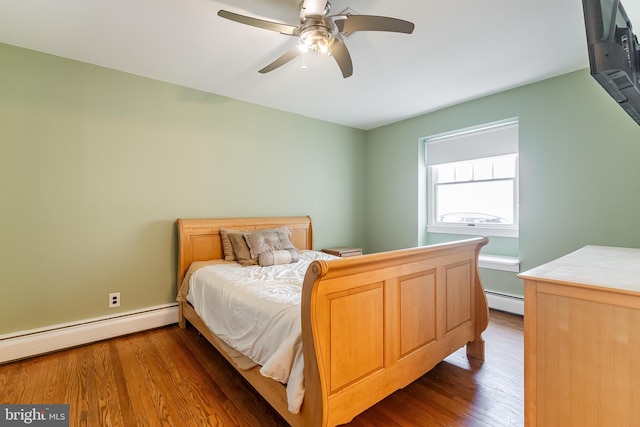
(473, 180)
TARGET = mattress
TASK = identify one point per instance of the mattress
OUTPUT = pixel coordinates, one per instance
(256, 311)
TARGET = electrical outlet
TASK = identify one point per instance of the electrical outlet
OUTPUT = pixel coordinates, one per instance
(114, 300)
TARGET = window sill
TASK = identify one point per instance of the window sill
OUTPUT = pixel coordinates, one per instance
(499, 262)
(477, 230)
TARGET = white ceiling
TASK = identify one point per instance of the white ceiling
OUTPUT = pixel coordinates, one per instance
(460, 50)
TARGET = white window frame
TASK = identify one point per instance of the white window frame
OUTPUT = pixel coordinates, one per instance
(477, 142)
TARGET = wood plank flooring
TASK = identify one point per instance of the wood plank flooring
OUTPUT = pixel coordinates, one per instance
(173, 377)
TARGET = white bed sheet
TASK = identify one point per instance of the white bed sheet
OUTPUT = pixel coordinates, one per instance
(256, 310)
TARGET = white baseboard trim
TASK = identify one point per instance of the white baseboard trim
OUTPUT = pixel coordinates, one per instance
(24, 344)
(504, 302)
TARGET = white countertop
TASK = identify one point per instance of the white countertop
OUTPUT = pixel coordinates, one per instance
(601, 266)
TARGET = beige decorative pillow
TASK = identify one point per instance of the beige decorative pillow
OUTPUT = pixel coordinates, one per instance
(241, 250)
(271, 239)
(227, 247)
(283, 256)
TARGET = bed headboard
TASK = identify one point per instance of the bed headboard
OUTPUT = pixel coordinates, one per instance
(199, 239)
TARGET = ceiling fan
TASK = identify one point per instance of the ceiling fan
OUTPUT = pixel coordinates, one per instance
(323, 33)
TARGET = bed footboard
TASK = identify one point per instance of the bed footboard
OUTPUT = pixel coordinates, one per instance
(373, 324)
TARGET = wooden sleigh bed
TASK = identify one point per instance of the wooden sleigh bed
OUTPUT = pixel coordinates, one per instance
(371, 324)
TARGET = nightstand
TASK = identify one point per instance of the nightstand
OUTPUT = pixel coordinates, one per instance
(343, 251)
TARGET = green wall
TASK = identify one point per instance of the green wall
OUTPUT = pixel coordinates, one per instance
(96, 165)
(579, 173)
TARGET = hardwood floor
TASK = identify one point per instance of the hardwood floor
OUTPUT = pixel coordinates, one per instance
(173, 377)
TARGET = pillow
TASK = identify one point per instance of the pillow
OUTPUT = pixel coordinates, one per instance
(227, 247)
(241, 250)
(271, 239)
(282, 256)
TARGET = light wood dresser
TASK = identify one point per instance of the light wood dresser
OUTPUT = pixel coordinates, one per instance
(582, 339)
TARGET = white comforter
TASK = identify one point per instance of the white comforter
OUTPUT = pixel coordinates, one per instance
(256, 310)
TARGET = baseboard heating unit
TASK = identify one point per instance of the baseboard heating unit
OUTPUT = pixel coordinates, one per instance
(506, 302)
(23, 344)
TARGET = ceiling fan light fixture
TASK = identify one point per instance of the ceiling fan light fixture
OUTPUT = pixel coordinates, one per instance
(316, 38)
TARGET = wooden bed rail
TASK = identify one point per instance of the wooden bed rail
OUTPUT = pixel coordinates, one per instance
(375, 323)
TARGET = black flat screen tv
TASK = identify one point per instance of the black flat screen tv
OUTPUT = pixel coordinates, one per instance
(614, 52)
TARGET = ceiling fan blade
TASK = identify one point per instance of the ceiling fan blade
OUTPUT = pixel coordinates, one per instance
(341, 55)
(289, 30)
(286, 57)
(352, 23)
